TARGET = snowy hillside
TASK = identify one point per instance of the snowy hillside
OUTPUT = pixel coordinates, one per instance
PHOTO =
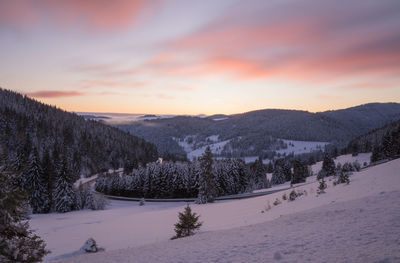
(194, 150)
(303, 221)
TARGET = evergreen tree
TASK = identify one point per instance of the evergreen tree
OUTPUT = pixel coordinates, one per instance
(50, 175)
(64, 197)
(300, 172)
(260, 174)
(188, 223)
(278, 176)
(17, 242)
(207, 182)
(328, 165)
(36, 185)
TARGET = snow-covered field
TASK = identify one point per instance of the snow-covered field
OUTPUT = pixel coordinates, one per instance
(238, 231)
(299, 147)
(216, 146)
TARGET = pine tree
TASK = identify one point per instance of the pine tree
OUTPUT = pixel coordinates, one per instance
(328, 165)
(64, 197)
(17, 242)
(207, 187)
(280, 172)
(35, 183)
(188, 223)
(50, 175)
(260, 174)
(300, 172)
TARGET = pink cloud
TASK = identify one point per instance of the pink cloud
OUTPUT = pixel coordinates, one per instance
(54, 94)
(98, 15)
(302, 41)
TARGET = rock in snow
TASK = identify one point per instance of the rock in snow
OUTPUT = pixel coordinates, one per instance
(90, 246)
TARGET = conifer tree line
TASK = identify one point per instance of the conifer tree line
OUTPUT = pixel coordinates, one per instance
(384, 143)
(204, 178)
(389, 147)
(50, 187)
(179, 180)
(48, 150)
(88, 146)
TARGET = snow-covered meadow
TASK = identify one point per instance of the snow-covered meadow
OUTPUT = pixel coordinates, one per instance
(148, 228)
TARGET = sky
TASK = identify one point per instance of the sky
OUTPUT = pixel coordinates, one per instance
(201, 57)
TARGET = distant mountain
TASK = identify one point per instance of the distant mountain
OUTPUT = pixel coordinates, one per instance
(88, 146)
(260, 132)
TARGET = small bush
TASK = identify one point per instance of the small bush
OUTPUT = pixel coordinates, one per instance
(293, 195)
(98, 202)
(277, 202)
(322, 186)
(343, 178)
(284, 197)
(141, 202)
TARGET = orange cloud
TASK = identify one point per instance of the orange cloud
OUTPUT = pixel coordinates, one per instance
(54, 94)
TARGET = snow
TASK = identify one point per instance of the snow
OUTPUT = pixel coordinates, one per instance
(220, 119)
(192, 151)
(360, 230)
(83, 181)
(303, 228)
(299, 147)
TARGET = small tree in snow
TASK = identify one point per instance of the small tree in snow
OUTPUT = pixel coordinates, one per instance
(188, 223)
(322, 186)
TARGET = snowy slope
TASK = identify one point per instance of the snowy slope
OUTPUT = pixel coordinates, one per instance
(360, 230)
(192, 151)
(129, 225)
(299, 147)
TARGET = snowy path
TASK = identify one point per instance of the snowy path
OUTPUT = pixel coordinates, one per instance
(362, 230)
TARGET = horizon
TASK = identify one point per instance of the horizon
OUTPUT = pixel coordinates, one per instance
(191, 58)
(227, 114)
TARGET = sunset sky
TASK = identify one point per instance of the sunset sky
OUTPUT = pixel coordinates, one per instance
(201, 56)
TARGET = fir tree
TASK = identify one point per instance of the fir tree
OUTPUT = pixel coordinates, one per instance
(260, 174)
(188, 223)
(328, 165)
(17, 242)
(278, 175)
(36, 184)
(300, 172)
(49, 175)
(64, 197)
(207, 187)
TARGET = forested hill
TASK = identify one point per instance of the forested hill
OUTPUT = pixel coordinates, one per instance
(255, 132)
(87, 146)
(378, 141)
